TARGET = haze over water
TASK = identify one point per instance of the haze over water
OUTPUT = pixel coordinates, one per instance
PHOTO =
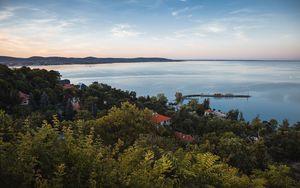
(273, 85)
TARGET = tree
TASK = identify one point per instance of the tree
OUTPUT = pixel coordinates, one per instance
(90, 103)
(69, 112)
(233, 115)
(178, 97)
(125, 123)
(193, 104)
(83, 115)
(241, 117)
(263, 158)
(32, 102)
(196, 107)
(162, 99)
(234, 151)
(44, 101)
(284, 146)
(285, 125)
(206, 103)
(6, 129)
(277, 177)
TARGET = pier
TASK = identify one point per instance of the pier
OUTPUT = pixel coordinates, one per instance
(217, 95)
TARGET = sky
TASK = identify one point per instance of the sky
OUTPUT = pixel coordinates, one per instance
(182, 29)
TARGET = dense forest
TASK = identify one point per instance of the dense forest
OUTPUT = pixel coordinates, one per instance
(56, 134)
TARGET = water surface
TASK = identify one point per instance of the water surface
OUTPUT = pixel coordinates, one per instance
(273, 85)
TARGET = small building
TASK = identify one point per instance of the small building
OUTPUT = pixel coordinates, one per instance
(208, 112)
(82, 86)
(219, 114)
(75, 104)
(24, 98)
(184, 137)
(65, 81)
(67, 86)
(161, 119)
(214, 113)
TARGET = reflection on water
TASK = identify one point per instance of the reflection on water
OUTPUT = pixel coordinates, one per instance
(274, 86)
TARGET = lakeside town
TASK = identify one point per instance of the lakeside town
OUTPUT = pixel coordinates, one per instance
(42, 115)
(158, 119)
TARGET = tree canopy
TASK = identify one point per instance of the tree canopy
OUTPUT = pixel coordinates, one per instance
(112, 141)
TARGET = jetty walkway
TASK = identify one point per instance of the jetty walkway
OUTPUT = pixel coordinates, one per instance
(216, 95)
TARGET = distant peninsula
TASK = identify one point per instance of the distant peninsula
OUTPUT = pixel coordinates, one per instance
(38, 60)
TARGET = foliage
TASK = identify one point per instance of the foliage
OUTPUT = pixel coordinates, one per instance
(125, 123)
(113, 142)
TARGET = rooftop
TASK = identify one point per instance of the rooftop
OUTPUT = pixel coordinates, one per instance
(157, 118)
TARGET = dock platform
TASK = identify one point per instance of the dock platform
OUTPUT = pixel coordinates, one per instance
(217, 95)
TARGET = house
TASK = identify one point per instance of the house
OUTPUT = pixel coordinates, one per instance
(219, 114)
(161, 119)
(65, 81)
(24, 98)
(67, 86)
(214, 113)
(82, 86)
(75, 104)
(208, 112)
(184, 137)
(176, 106)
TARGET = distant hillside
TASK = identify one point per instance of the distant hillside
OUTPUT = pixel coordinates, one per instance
(37, 60)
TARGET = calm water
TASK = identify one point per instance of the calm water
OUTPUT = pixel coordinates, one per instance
(274, 86)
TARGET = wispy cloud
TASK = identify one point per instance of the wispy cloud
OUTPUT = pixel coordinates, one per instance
(242, 11)
(185, 10)
(6, 13)
(36, 32)
(214, 28)
(177, 12)
(124, 31)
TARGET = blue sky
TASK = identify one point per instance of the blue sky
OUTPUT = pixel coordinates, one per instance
(251, 29)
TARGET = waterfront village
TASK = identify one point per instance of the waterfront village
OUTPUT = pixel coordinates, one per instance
(54, 133)
(158, 119)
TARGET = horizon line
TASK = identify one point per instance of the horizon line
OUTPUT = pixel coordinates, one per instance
(178, 59)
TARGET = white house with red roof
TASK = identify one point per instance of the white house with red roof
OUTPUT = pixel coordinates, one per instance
(161, 119)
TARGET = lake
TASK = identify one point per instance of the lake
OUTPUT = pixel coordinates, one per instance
(273, 85)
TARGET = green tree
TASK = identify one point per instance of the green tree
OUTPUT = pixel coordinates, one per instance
(178, 97)
(83, 115)
(125, 123)
(206, 103)
(44, 101)
(69, 112)
(277, 177)
(233, 115)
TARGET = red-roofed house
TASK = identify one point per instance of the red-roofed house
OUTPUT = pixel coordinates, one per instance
(161, 119)
(24, 98)
(207, 112)
(184, 137)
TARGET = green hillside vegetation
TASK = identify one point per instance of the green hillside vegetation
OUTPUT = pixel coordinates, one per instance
(112, 140)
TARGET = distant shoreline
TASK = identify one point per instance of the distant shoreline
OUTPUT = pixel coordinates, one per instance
(44, 61)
